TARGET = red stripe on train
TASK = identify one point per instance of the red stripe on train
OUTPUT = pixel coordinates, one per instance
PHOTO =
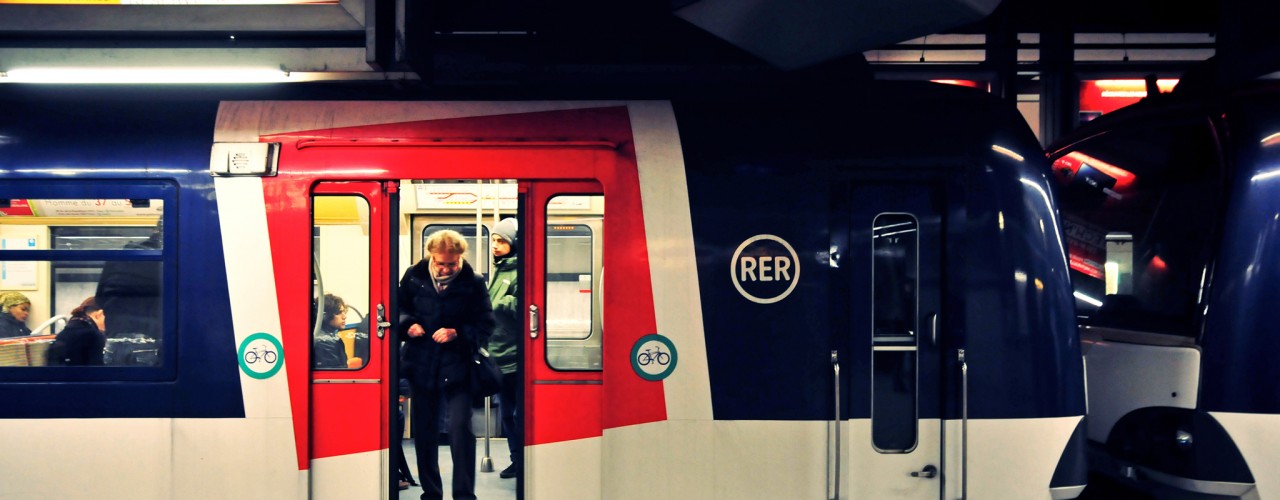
(626, 398)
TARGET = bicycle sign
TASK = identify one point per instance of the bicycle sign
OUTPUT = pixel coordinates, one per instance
(653, 357)
(260, 355)
(259, 352)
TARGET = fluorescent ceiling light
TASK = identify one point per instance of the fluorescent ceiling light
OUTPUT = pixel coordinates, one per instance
(144, 75)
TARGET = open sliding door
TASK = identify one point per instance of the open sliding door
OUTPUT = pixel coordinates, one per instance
(564, 377)
(350, 340)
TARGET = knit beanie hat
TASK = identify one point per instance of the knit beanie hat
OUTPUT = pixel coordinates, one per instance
(10, 299)
(508, 229)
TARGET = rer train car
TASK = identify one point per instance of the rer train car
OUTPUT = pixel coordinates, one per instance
(1170, 208)
(855, 295)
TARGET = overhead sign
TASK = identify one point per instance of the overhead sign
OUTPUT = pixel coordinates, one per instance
(765, 269)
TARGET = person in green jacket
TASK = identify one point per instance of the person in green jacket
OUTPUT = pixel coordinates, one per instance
(504, 344)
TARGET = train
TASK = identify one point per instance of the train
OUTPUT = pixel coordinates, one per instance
(862, 293)
(1170, 211)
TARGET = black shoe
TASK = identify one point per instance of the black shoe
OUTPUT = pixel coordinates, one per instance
(509, 472)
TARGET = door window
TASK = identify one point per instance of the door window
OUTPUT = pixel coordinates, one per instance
(340, 298)
(894, 271)
(574, 244)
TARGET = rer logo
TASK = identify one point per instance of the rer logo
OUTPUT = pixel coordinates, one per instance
(765, 269)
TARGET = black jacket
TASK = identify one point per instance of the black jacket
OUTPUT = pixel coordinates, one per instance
(464, 306)
(79, 344)
(11, 327)
(327, 351)
(129, 292)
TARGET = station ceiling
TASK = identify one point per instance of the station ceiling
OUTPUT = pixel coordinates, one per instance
(503, 43)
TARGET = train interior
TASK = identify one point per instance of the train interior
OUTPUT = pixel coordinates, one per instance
(108, 242)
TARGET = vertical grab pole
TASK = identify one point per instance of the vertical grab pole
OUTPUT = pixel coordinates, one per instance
(835, 471)
(486, 462)
(964, 425)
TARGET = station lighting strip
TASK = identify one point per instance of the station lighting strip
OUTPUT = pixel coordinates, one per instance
(178, 76)
(147, 75)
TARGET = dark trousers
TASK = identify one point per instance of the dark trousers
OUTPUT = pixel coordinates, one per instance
(462, 441)
(510, 411)
(397, 454)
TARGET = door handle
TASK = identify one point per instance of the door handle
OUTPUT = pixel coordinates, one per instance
(383, 324)
(928, 472)
(533, 321)
(933, 329)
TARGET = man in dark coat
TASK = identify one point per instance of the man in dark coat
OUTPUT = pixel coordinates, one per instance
(129, 294)
(444, 315)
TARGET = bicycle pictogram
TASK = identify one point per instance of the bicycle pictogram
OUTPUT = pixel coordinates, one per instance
(653, 354)
(252, 356)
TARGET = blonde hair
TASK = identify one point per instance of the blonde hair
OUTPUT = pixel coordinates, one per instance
(446, 241)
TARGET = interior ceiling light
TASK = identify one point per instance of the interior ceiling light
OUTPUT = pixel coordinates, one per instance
(144, 75)
(1133, 87)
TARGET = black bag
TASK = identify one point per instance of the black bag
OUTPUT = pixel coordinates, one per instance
(486, 378)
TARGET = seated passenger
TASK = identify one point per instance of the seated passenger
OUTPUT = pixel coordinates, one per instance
(328, 352)
(82, 341)
(14, 309)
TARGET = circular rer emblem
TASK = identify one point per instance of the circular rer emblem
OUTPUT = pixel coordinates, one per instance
(764, 269)
(261, 355)
(653, 357)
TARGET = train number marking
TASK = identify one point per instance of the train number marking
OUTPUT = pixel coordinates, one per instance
(765, 269)
(261, 355)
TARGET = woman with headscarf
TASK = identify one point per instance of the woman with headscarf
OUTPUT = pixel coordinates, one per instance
(81, 342)
(14, 310)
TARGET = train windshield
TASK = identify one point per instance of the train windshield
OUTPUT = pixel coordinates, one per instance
(1139, 208)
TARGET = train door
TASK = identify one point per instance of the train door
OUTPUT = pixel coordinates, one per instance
(564, 377)
(348, 428)
(894, 276)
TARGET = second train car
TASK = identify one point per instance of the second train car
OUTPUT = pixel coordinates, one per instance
(1170, 207)
(863, 296)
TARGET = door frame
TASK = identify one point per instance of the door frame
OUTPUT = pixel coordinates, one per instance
(854, 216)
(344, 428)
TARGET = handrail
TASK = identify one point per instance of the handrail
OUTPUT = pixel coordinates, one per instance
(964, 425)
(48, 324)
(318, 291)
(835, 368)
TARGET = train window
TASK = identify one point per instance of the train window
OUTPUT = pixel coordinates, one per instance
(478, 251)
(574, 250)
(92, 272)
(894, 269)
(340, 298)
(1139, 207)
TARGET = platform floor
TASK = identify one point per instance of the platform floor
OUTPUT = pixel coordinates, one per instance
(488, 484)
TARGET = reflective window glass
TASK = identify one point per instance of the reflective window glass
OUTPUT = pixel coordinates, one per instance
(894, 271)
(574, 268)
(340, 284)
